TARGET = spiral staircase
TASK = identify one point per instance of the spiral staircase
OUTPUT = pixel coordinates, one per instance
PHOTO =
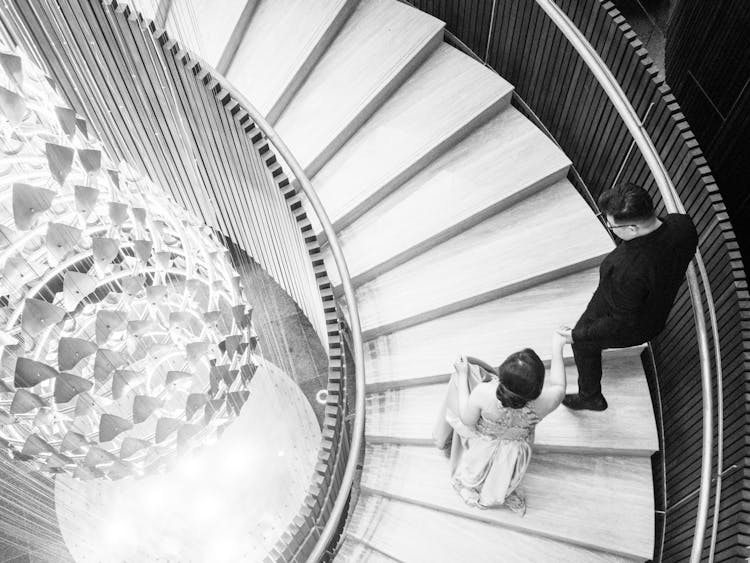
(462, 235)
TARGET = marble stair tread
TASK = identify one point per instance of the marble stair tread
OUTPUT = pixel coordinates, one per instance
(283, 39)
(352, 549)
(409, 532)
(597, 502)
(490, 331)
(533, 241)
(208, 38)
(496, 165)
(627, 427)
(611, 355)
(378, 47)
(446, 97)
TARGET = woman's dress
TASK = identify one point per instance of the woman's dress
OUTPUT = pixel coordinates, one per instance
(487, 461)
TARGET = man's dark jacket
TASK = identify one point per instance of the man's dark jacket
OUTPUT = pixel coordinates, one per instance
(638, 283)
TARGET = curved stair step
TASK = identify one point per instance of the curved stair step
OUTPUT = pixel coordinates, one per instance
(504, 253)
(377, 49)
(211, 36)
(493, 168)
(600, 503)
(407, 415)
(409, 532)
(442, 101)
(490, 331)
(351, 549)
(283, 41)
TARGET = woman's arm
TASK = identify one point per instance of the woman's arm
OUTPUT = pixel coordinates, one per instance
(554, 389)
(481, 363)
(468, 407)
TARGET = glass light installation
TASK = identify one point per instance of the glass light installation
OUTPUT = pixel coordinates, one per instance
(124, 335)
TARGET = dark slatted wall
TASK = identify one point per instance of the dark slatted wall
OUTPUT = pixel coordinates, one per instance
(469, 19)
(708, 68)
(526, 48)
(149, 104)
(153, 105)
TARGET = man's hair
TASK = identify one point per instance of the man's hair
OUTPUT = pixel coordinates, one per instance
(521, 378)
(627, 202)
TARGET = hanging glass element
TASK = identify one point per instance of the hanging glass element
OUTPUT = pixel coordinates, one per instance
(123, 327)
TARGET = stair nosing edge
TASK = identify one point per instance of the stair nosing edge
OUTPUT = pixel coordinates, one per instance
(372, 102)
(421, 160)
(392, 384)
(481, 298)
(508, 526)
(456, 229)
(537, 447)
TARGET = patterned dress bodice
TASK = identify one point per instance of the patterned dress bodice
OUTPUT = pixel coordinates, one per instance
(509, 424)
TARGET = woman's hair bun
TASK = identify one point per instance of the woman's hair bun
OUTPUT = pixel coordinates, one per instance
(521, 379)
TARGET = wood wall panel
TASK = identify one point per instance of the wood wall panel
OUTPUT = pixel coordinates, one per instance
(708, 66)
(526, 48)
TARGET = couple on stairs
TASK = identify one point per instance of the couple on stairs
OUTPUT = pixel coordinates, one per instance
(491, 413)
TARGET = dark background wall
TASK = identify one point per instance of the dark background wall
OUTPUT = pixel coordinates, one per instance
(649, 19)
(703, 48)
(707, 59)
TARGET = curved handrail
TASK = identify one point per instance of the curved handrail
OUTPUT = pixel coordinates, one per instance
(358, 427)
(627, 113)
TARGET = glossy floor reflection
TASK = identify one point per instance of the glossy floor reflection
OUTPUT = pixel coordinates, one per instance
(227, 502)
(285, 334)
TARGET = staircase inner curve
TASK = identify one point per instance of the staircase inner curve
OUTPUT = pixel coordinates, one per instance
(462, 235)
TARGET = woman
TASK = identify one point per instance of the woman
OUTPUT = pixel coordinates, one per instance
(493, 424)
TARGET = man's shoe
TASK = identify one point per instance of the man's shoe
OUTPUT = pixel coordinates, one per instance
(578, 403)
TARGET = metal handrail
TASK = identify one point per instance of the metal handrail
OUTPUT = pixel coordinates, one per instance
(627, 113)
(358, 428)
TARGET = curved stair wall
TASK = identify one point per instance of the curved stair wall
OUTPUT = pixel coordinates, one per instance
(524, 45)
(162, 110)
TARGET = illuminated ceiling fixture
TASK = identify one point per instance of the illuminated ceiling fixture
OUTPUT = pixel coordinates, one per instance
(124, 335)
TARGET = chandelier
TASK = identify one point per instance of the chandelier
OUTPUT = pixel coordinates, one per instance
(124, 335)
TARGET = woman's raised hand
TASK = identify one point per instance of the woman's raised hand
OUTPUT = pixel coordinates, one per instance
(461, 365)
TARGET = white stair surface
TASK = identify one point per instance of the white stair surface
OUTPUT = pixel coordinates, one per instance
(409, 532)
(463, 236)
(379, 46)
(482, 262)
(499, 164)
(490, 331)
(445, 98)
(354, 550)
(284, 39)
(587, 501)
(626, 428)
(202, 27)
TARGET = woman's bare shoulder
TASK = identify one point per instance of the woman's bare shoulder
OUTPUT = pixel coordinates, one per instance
(486, 391)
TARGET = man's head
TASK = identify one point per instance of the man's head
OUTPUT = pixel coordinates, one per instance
(629, 211)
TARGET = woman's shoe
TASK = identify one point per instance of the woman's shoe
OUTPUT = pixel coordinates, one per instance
(516, 503)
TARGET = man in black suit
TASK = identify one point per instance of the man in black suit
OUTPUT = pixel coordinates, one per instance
(638, 283)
